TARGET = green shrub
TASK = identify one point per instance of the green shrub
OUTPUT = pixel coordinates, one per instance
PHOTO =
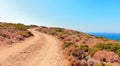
(16, 26)
(33, 25)
(27, 33)
(43, 27)
(53, 33)
(84, 47)
(68, 44)
(59, 29)
(93, 50)
(102, 64)
(117, 52)
(109, 47)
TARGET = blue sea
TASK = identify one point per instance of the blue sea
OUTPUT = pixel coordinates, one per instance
(112, 36)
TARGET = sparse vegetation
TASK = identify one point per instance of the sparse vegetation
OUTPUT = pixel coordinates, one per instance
(84, 47)
(109, 47)
(79, 54)
(102, 64)
(18, 26)
(92, 51)
(31, 26)
(27, 34)
(68, 44)
(76, 44)
(10, 31)
(59, 29)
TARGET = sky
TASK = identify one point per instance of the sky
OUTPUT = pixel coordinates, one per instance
(81, 15)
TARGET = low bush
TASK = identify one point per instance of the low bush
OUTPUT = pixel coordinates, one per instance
(93, 50)
(79, 54)
(59, 29)
(27, 33)
(117, 52)
(31, 26)
(68, 44)
(102, 64)
(84, 47)
(16, 26)
(109, 47)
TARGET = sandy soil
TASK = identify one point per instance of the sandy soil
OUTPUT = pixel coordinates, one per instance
(40, 50)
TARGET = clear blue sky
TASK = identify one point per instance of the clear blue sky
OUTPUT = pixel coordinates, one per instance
(82, 15)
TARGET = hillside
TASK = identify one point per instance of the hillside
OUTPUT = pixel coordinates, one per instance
(13, 33)
(32, 48)
(83, 49)
(54, 46)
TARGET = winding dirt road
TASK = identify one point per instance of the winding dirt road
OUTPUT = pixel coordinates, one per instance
(40, 50)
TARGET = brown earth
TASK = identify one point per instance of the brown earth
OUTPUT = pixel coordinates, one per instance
(40, 50)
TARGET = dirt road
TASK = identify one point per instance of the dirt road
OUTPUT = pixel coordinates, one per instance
(40, 50)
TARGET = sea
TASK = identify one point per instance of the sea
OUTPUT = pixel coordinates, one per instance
(112, 36)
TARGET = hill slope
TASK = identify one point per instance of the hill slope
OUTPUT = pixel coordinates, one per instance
(80, 48)
(12, 33)
(40, 50)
